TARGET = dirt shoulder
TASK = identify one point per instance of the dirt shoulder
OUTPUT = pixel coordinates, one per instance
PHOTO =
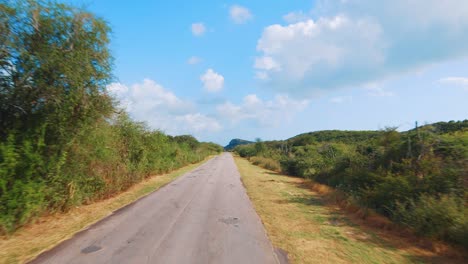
(48, 231)
(299, 221)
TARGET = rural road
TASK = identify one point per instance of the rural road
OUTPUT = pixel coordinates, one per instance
(204, 217)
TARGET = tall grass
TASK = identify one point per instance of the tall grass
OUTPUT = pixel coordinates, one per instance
(102, 160)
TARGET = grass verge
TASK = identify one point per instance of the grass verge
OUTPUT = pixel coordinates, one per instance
(31, 240)
(299, 221)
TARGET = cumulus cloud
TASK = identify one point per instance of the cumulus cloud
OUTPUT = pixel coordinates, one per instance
(240, 14)
(294, 17)
(265, 113)
(198, 29)
(194, 60)
(199, 122)
(212, 81)
(354, 42)
(161, 109)
(266, 63)
(261, 75)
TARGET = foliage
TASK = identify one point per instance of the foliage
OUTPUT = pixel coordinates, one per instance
(267, 163)
(444, 217)
(417, 178)
(55, 64)
(333, 135)
(63, 142)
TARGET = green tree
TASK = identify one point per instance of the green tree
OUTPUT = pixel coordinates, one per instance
(54, 67)
(259, 146)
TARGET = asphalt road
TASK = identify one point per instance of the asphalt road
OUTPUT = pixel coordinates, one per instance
(204, 217)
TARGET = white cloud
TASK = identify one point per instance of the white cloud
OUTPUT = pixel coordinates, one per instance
(261, 75)
(341, 99)
(117, 89)
(199, 122)
(294, 17)
(458, 81)
(198, 29)
(161, 109)
(194, 60)
(240, 14)
(212, 81)
(266, 63)
(266, 113)
(263, 65)
(359, 41)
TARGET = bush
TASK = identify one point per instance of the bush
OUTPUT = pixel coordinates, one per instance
(417, 177)
(21, 187)
(246, 151)
(267, 163)
(61, 141)
(441, 218)
(104, 159)
(296, 166)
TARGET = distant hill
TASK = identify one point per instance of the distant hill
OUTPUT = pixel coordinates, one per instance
(344, 136)
(236, 142)
(333, 135)
(446, 127)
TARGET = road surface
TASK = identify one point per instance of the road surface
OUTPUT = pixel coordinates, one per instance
(202, 217)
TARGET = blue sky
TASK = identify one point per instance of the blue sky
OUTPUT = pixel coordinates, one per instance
(274, 69)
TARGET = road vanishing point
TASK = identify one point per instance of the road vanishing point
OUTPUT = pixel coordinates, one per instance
(205, 216)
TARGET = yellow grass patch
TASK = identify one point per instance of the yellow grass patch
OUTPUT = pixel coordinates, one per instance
(299, 221)
(29, 241)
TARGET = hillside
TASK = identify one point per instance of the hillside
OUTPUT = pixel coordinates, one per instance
(333, 135)
(445, 127)
(344, 136)
(417, 178)
(236, 142)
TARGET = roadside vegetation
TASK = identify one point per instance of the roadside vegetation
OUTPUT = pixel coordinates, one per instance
(63, 140)
(312, 229)
(417, 178)
(48, 231)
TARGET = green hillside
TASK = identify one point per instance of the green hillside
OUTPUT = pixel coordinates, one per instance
(236, 142)
(418, 178)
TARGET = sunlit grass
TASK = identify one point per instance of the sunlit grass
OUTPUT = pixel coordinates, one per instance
(298, 221)
(29, 241)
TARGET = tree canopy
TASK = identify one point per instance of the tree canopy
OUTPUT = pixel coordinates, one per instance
(55, 64)
(62, 140)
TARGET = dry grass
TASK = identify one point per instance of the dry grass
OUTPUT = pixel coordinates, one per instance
(300, 221)
(370, 219)
(334, 197)
(267, 163)
(28, 242)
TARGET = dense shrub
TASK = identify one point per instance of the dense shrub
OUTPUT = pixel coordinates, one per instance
(103, 160)
(63, 142)
(246, 151)
(441, 218)
(267, 163)
(417, 178)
